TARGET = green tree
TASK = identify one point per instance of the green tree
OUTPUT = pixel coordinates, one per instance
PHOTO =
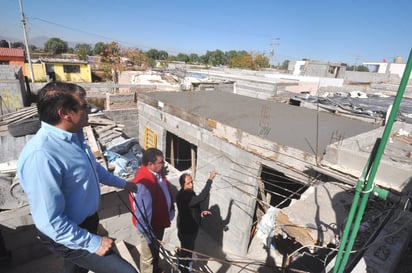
(285, 65)
(194, 58)
(242, 61)
(182, 57)
(17, 45)
(83, 50)
(215, 58)
(98, 48)
(110, 57)
(261, 61)
(32, 48)
(162, 55)
(55, 46)
(4, 43)
(137, 57)
(153, 54)
(360, 68)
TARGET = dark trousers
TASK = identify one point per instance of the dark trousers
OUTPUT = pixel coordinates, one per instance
(81, 261)
(187, 241)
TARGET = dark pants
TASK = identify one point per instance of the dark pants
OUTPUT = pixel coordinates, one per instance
(187, 241)
(81, 261)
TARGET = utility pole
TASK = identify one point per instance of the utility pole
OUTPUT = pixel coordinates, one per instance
(23, 21)
(272, 49)
(356, 62)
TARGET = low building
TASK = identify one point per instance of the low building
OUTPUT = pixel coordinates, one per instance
(13, 56)
(251, 143)
(66, 70)
(315, 68)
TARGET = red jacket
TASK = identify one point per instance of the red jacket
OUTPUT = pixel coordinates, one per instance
(160, 210)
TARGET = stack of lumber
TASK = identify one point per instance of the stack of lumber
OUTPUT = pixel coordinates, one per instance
(100, 133)
(19, 115)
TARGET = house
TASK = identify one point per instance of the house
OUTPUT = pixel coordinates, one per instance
(317, 69)
(67, 70)
(266, 154)
(13, 56)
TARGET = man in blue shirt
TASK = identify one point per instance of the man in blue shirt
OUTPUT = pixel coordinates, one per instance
(61, 177)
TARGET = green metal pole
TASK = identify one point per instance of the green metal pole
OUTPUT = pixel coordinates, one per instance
(341, 263)
(354, 209)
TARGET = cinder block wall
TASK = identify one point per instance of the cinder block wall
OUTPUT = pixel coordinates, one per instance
(233, 195)
(127, 117)
(11, 146)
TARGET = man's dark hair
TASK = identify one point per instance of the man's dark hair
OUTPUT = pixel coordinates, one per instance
(150, 155)
(54, 96)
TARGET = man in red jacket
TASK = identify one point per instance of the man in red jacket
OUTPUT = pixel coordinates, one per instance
(153, 208)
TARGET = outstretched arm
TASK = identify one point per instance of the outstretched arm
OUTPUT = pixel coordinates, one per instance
(204, 194)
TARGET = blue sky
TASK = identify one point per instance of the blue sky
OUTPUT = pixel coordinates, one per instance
(350, 31)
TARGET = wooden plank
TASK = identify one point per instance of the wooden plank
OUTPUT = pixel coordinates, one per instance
(103, 129)
(100, 121)
(19, 116)
(91, 140)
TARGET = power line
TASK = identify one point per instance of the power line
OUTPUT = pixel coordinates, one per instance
(85, 32)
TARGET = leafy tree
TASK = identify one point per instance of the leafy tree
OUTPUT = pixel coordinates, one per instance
(243, 61)
(111, 59)
(194, 58)
(285, 65)
(136, 56)
(182, 57)
(261, 61)
(98, 48)
(215, 58)
(32, 48)
(83, 50)
(153, 54)
(55, 46)
(363, 68)
(4, 43)
(230, 54)
(163, 55)
(360, 68)
(17, 45)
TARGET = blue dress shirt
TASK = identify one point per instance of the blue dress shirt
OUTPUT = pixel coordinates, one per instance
(60, 177)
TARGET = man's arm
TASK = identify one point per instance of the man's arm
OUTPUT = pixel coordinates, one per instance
(204, 194)
(143, 211)
(40, 177)
(110, 179)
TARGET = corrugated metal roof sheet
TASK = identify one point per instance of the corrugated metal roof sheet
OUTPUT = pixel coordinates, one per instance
(11, 52)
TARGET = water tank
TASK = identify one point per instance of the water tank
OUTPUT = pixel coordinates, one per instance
(398, 60)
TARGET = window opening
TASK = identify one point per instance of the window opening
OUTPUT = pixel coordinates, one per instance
(180, 153)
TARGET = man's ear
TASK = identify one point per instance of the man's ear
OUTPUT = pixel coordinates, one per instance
(64, 114)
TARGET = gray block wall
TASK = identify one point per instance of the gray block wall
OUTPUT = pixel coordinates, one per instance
(11, 146)
(127, 117)
(234, 191)
(13, 93)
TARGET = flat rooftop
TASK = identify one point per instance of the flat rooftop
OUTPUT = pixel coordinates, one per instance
(304, 129)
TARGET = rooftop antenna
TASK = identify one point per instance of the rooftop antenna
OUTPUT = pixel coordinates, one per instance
(275, 42)
(23, 21)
